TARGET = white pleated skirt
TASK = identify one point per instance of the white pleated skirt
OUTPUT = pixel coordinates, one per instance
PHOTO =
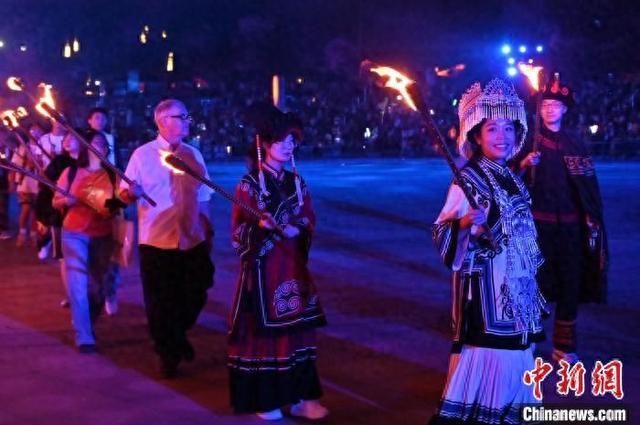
(485, 386)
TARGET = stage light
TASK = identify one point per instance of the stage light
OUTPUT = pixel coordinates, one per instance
(593, 128)
(522, 49)
(23, 47)
(506, 49)
(530, 61)
(454, 102)
(512, 71)
(539, 48)
(66, 50)
(1, 44)
(511, 61)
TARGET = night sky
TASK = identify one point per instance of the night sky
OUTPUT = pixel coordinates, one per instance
(209, 37)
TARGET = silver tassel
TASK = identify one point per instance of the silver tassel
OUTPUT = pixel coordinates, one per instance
(297, 180)
(263, 186)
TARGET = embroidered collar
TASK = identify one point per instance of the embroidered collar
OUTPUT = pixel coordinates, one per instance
(278, 175)
(503, 170)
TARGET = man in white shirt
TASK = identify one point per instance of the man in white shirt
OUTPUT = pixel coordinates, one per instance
(174, 236)
(98, 119)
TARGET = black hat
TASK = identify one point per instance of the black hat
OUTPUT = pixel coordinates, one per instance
(557, 91)
(272, 124)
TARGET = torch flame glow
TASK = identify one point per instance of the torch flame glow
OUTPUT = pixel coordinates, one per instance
(21, 112)
(532, 73)
(14, 83)
(396, 81)
(46, 98)
(163, 160)
(9, 118)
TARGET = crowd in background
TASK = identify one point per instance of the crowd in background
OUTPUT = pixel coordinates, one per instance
(349, 118)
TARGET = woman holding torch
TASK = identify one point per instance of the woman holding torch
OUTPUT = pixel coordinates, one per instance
(87, 242)
(272, 348)
(497, 306)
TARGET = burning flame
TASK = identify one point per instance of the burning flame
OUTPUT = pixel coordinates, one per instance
(14, 83)
(532, 73)
(21, 112)
(163, 160)
(46, 98)
(396, 81)
(9, 118)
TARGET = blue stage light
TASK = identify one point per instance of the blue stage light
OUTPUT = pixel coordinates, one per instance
(511, 61)
(506, 49)
(522, 49)
(512, 71)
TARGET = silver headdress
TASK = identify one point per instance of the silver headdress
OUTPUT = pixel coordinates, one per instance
(497, 100)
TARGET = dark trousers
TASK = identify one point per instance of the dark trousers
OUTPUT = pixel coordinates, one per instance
(4, 210)
(560, 277)
(175, 287)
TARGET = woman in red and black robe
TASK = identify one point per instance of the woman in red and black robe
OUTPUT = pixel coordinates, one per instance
(272, 345)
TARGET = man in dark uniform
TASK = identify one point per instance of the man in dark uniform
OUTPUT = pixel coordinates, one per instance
(567, 209)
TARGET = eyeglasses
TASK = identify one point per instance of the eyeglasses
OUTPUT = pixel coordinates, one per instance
(183, 117)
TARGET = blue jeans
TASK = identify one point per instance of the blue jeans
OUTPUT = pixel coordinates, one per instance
(86, 266)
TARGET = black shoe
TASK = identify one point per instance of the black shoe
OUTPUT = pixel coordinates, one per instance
(87, 348)
(188, 353)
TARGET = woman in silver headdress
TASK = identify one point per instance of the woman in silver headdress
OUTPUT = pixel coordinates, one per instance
(497, 306)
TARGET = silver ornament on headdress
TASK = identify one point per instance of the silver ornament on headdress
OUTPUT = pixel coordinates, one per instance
(497, 100)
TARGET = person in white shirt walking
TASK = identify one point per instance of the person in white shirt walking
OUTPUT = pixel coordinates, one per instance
(174, 236)
(98, 118)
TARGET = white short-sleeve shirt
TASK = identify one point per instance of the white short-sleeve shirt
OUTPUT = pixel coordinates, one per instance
(175, 222)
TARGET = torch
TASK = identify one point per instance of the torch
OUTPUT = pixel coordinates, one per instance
(535, 77)
(178, 166)
(408, 90)
(46, 107)
(41, 179)
(10, 121)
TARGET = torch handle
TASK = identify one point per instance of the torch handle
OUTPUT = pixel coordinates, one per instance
(12, 167)
(28, 151)
(43, 150)
(63, 122)
(222, 192)
(434, 132)
(536, 136)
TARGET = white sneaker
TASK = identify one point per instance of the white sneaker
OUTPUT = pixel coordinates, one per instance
(273, 415)
(310, 409)
(111, 305)
(43, 253)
